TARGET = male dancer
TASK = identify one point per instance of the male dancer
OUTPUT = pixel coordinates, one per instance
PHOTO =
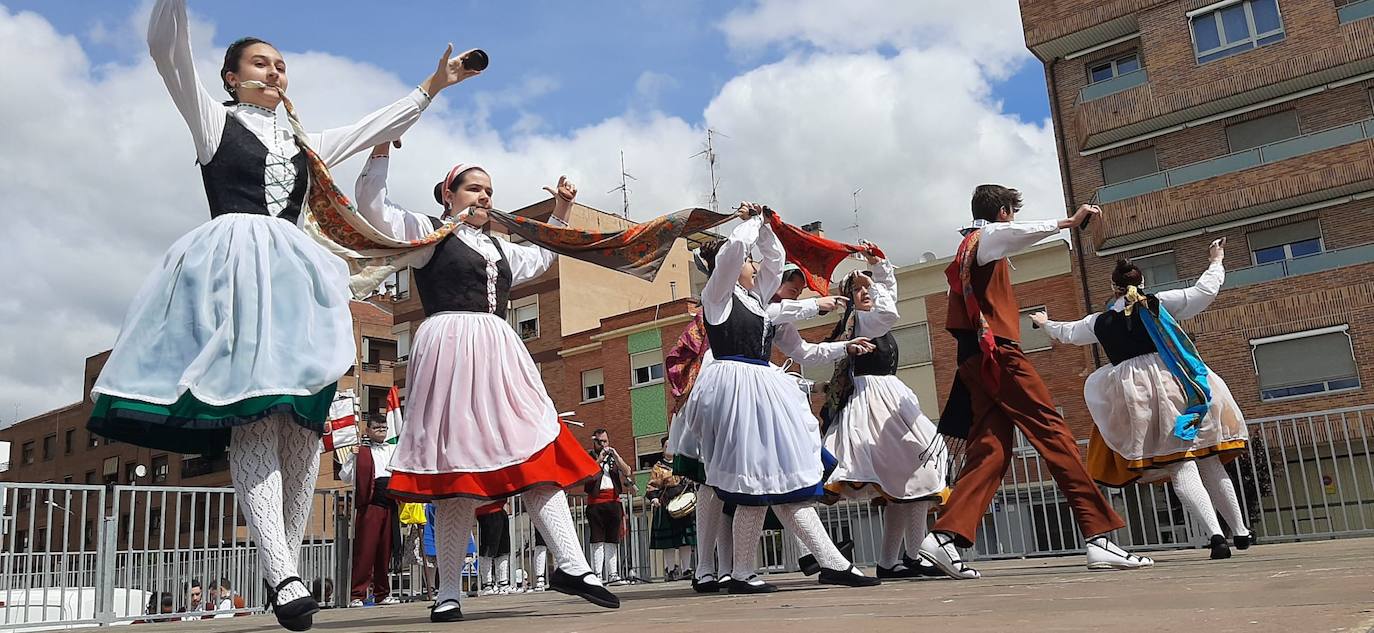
(996, 388)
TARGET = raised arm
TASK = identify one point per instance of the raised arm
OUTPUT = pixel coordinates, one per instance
(370, 194)
(771, 260)
(790, 341)
(1001, 239)
(1187, 303)
(715, 297)
(884, 315)
(169, 44)
(528, 261)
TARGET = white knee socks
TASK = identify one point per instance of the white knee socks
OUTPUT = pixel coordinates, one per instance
(548, 507)
(684, 556)
(541, 565)
(1188, 487)
(916, 528)
(453, 519)
(612, 561)
(801, 519)
(1223, 494)
(599, 559)
(745, 531)
(896, 518)
(710, 519)
(255, 467)
(503, 570)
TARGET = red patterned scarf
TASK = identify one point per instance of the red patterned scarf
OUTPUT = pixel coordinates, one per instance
(959, 273)
(684, 360)
(815, 255)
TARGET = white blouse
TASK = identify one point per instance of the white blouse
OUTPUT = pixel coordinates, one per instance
(724, 281)
(169, 43)
(526, 261)
(1001, 239)
(1184, 303)
(879, 320)
(785, 314)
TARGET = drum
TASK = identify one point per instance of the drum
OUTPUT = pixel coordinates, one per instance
(682, 505)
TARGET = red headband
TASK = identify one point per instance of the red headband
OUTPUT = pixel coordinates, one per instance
(453, 174)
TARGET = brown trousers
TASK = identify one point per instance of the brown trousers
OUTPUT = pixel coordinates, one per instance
(1022, 401)
(372, 551)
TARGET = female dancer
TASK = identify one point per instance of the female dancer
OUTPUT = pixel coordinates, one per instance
(1159, 411)
(481, 426)
(746, 422)
(884, 445)
(238, 338)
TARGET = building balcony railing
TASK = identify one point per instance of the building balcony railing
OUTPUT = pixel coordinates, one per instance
(1329, 260)
(1237, 161)
(383, 365)
(1358, 10)
(1114, 85)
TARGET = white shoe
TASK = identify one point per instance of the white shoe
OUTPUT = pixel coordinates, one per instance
(1104, 554)
(938, 548)
(355, 603)
(390, 600)
(540, 585)
(615, 581)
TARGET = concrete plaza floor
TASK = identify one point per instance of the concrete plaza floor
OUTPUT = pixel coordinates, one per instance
(1325, 586)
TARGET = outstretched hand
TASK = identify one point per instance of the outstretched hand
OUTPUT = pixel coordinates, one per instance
(860, 346)
(566, 191)
(450, 71)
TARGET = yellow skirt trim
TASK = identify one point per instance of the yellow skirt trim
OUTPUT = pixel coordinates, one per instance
(1109, 468)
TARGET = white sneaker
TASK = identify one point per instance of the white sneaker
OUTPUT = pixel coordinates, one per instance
(1104, 554)
(390, 600)
(540, 585)
(939, 549)
(355, 603)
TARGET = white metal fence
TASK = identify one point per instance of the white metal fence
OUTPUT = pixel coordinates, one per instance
(74, 555)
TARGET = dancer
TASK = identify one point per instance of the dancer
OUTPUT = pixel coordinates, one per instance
(238, 337)
(481, 427)
(1160, 412)
(493, 547)
(884, 445)
(746, 422)
(997, 390)
(675, 536)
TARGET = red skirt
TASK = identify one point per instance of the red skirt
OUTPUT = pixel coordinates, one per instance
(563, 463)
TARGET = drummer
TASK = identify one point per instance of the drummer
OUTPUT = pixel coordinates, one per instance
(676, 535)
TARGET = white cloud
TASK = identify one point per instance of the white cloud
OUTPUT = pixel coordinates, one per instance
(99, 175)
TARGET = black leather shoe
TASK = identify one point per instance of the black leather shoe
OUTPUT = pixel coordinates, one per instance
(744, 587)
(563, 582)
(808, 565)
(897, 571)
(705, 586)
(1220, 550)
(1244, 542)
(847, 578)
(297, 615)
(447, 615)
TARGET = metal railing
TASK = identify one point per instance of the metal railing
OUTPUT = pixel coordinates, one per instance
(1327, 260)
(1116, 84)
(92, 555)
(1237, 161)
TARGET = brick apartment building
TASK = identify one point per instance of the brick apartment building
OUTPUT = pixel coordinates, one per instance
(1190, 120)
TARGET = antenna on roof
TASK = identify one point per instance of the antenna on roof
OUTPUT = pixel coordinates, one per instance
(624, 188)
(855, 225)
(710, 154)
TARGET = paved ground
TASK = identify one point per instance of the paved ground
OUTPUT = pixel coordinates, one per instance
(1325, 586)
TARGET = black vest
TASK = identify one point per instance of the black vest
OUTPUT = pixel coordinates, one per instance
(879, 362)
(741, 334)
(235, 176)
(455, 279)
(1124, 337)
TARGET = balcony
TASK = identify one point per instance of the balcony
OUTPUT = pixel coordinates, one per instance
(1329, 260)
(1358, 10)
(1318, 168)
(1254, 157)
(1055, 28)
(1092, 92)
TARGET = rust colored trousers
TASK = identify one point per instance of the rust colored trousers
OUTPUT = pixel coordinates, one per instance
(1023, 401)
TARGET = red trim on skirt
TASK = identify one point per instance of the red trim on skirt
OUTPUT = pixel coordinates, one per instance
(562, 463)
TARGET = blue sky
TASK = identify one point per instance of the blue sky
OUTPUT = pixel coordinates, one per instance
(595, 53)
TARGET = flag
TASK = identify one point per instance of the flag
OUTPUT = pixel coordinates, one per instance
(341, 430)
(393, 416)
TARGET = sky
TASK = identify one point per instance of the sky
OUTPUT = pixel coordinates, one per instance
(914, 102)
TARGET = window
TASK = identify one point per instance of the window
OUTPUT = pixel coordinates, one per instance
(92, 440)
(648, 450)
(1129, 166)
(524, 317)
(1262, 131)
(27, 453)
(1305, 363)
(647, 367)
(1033, 339)
(68, 479)
(90, 478)
(68, 441)
(49, 447)
(913, 344)
(398, 285)
(1236, 28)
(110, 470)
(1289, 241)
(160, 469)
(1112, 68)
(1157, 268)
(593, 385)
(129, 474)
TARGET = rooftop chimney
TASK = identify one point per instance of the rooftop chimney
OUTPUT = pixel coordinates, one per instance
(814, 228)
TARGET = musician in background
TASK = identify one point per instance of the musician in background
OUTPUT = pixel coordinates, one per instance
(605, 516)
(676, 536)
(376, 527)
